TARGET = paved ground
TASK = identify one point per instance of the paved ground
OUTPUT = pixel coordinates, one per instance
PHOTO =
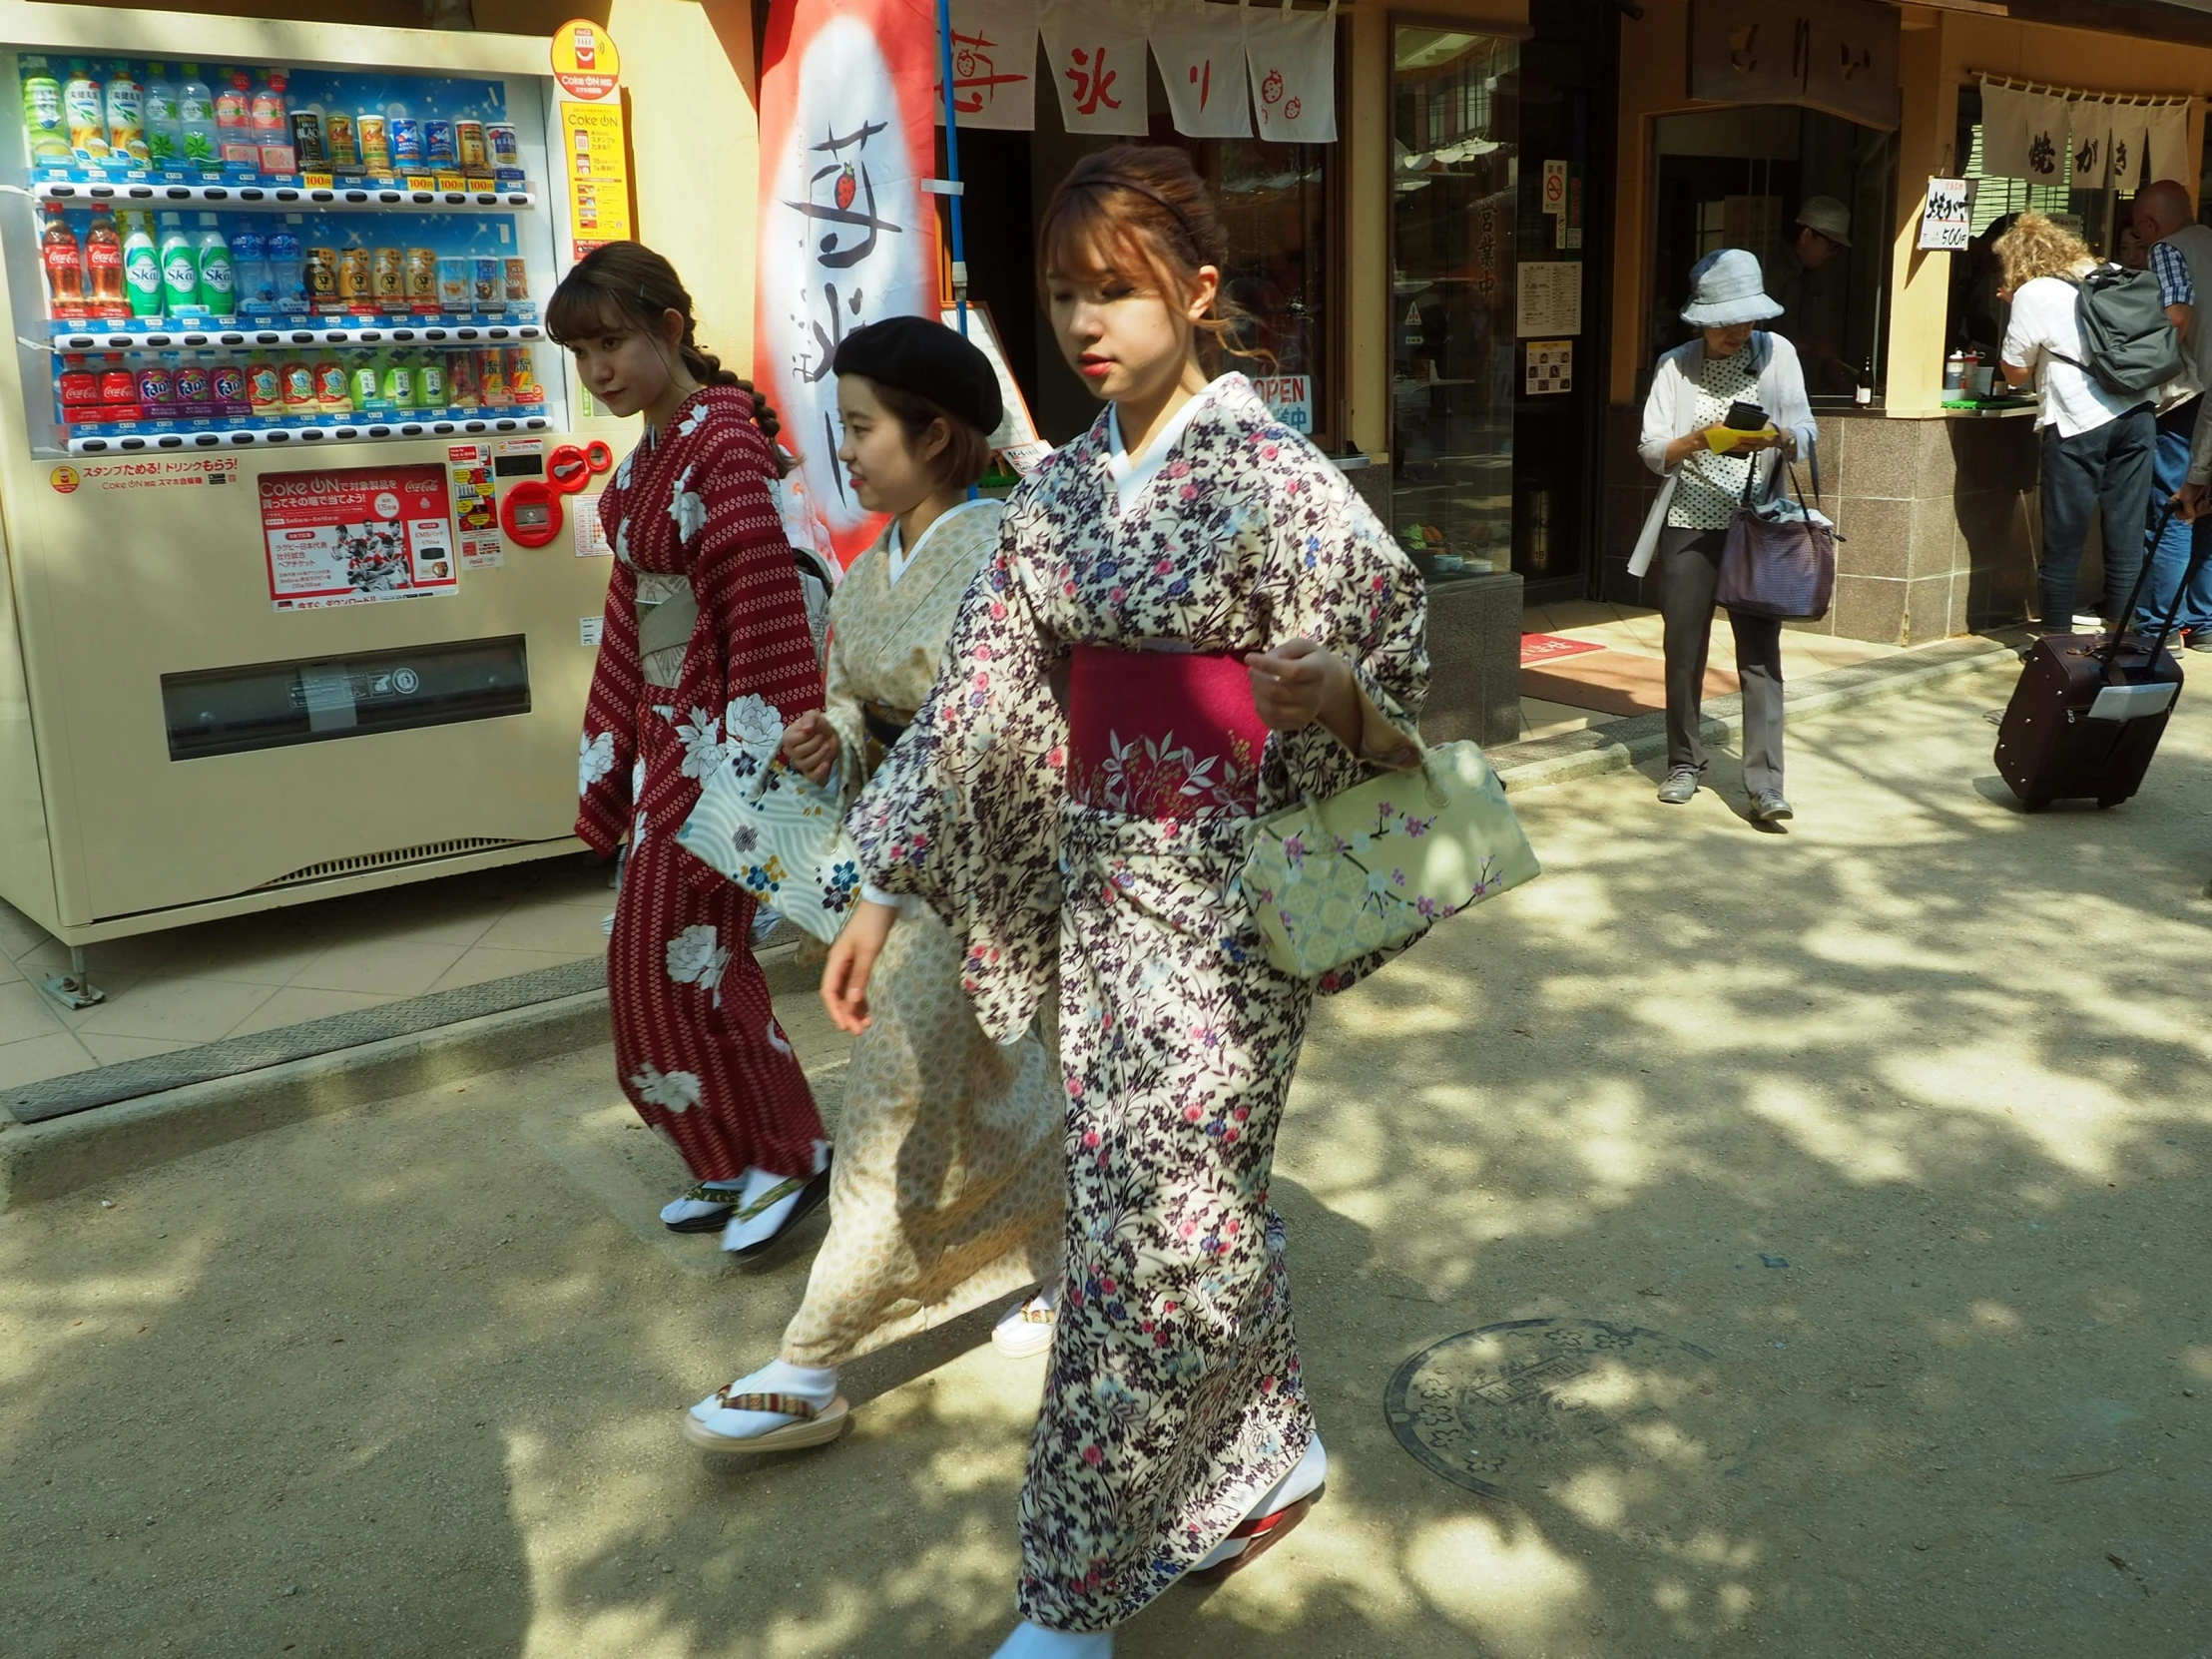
(1873, 1156)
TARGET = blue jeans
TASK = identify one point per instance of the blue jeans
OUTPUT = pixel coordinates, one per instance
(2106, 472)
(2170, 558)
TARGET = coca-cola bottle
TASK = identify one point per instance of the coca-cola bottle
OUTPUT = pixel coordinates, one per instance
(64, 262)
(106, 296)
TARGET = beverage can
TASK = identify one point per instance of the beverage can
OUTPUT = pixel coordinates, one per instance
(405, 134)
(454, 284)
(504, 143)
(334, 392)
(491, 378)
(422, 275)
(522, 376)
(353, 277)
(491, 286)
(438, 143)
(388, 273)
(338, 141)
(518, 280)
(322, 265)
(307, 138)
(375, 148)
(470, 136)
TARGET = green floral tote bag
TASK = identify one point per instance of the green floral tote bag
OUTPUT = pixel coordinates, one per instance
(1375, 868)
(779, 838)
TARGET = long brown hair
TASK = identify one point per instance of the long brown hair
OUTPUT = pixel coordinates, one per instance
(624, 286)
(1140, 212)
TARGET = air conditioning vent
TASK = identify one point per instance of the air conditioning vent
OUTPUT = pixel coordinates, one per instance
(430, 853)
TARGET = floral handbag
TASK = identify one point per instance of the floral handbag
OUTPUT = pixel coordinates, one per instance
(1373, 867)
(778, 837)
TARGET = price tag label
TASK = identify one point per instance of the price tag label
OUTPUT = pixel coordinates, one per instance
(451, 180)
(484, 184)
(421, 181)
(316, 180)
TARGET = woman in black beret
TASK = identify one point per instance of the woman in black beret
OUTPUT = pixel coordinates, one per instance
(947, 1189)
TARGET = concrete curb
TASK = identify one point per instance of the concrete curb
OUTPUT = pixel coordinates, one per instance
(1624, 743)
(66, 1154)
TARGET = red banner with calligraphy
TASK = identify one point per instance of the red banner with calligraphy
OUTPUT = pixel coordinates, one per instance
(847, 234)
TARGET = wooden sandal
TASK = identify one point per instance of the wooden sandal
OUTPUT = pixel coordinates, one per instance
(724, 1197)
(812, 1190)
(816, 1425)
(1260, 1535)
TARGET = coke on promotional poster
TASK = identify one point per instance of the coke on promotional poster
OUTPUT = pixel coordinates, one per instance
(848, 234)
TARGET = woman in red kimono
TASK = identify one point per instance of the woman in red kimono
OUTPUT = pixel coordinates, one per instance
(705, 658)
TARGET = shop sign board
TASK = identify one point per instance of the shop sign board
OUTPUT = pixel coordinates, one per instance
(1946, 219)
(1839, 56)
(586, 65)
(1290, 398)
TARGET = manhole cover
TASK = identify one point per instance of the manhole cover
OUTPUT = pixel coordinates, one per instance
(1526, 1399)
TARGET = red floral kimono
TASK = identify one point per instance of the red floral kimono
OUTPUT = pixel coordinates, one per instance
(705, 659)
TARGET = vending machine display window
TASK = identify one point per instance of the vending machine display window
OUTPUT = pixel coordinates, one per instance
(230, 711)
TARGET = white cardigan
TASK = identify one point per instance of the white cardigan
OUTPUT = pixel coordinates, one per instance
(1670, 412)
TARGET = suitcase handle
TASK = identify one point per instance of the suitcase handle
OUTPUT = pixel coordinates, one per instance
(2134, 594)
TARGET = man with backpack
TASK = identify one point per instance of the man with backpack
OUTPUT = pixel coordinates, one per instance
(2181, 258)
(2097, 344)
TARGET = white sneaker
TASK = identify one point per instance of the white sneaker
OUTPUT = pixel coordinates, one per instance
(1025, 1329)
(1033, 1641)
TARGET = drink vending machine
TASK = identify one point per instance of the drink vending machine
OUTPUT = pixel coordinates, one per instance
(293, 606)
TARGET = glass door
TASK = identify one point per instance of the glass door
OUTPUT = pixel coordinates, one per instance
(1455, 180)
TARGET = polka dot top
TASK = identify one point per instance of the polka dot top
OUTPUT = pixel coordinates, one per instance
(1709, 487)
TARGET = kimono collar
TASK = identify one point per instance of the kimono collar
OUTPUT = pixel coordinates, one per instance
(1131, 473)
(896, 555)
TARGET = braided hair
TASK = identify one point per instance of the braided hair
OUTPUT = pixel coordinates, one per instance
(621, 287)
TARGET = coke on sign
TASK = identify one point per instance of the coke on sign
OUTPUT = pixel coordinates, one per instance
(585, 62)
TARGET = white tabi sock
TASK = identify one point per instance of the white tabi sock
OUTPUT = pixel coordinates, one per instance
(738, 1234)
(1033, 1641)
(1304, 1478)
(691, 1209)
(817, 1386)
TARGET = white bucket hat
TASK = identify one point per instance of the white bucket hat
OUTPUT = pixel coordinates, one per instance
(1829, 216)
(1728, 288)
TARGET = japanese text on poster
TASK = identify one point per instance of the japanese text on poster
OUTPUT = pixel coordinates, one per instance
(475, 506)
(358, 537)
(1946, 223)
(1290, 397)
(1549, 300)
(1551, 368)
(598, 174)
(591, 535)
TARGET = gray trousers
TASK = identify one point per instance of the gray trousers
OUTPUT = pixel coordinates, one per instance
(1690, 571)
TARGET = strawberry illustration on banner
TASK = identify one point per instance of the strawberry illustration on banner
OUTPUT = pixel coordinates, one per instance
(1096, 51)
(1202, 65)
(845, 235)
(994, 65)
(1293, 56)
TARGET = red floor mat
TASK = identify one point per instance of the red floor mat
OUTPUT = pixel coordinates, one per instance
(1549, 648)
(1614, 683)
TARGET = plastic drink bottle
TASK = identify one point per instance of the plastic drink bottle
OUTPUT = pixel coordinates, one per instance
(80, 387)
(233, 123)
(142, 267)
(156, 386)
(165, 133)
(460, 390)
(287, 274)
(297, 376)
(227, 388)
(431, 391)
(334, 389)
(180, 267)
(104, 265)
(265, 388)
(126, 118)
(250, 270)
(367, 389)
(63, 264)
(396, 384)
(85, 110)
(217, 277)
(201, 145)
(195, 389)
(43, 122)
(118, 389)
(272, 125)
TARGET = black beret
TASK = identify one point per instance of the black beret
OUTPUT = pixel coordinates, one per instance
(928, 359)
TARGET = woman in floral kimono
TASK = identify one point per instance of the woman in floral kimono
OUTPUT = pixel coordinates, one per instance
(948, 1180)
(705, 656)
(1233, 629)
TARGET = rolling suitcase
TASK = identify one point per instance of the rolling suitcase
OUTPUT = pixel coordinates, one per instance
(2088, 711)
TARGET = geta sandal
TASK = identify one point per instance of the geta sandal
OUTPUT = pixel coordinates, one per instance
(812, 1192)
(1260, 1535)
(726, 1197)
(816, 1425)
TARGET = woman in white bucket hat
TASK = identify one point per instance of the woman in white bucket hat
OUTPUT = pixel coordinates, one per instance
(1687, 441)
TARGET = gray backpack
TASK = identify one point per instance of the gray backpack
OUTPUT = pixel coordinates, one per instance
(2130, 344)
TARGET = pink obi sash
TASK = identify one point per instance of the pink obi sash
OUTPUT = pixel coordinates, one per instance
(1163, 733)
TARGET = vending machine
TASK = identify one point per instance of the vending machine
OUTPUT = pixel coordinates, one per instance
(302, 574)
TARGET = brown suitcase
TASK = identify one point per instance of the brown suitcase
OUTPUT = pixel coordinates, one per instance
(2089, 708)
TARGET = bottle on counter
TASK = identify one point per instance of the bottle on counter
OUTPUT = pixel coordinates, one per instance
(233, 123)
(104, 296)
(217, 277)
(180, 267)
(63, 264)
(44, 125)
(200, 142)
(271, 124)
(126, 107)
(85, 111)
(165, 133)
(142, 267)
(255, 291)
(287, 274)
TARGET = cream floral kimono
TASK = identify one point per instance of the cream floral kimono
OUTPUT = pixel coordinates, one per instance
(948, 1182)
(1173, 1400)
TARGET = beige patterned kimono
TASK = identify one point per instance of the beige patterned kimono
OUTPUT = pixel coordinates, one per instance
(949, 1184)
